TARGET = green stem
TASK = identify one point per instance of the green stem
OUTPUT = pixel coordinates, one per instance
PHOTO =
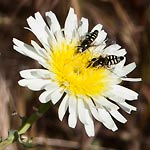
(12, 137)
(33, 118)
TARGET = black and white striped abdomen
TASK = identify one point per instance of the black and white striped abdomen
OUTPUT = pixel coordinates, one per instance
(106, 61)
(113, 60)
(88, 41)
(92, 36)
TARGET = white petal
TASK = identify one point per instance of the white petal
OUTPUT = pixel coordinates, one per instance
(126, 107)
(93, 109)
(120, 52)
(82, 111)
(52, 86)
(45, 96)
(63, 107)
(89, 128)
(101, 35)
(129, 68)
(103, 116)
(117, 116)
(97, 27)
(89, 102)
(56, 95)
(40, 29)
(26, 50)
(108, 121)
(131, 79)
(43, 26)
(40, 33)
(23, 82)
(124, 92)
(46, 31)
(96, 115)
(72, 104)
(44, 64)
(120, 65)
(35, 73)
(104, 102)
(114, 97)
(72, 120)
(18, 49)
(40, 86)
(70, 25)
(118, 70)
(32, 83)
(100, 38)
(83, 27)
(41, 51)
(54, 24)
(110, 49)
(99, 49)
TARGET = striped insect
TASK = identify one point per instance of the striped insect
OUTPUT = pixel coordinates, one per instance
(107, 61)
(88, 41)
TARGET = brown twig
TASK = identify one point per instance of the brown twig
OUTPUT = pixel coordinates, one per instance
(128, 29)
(145, 91)
(5, 97)
(55, 142)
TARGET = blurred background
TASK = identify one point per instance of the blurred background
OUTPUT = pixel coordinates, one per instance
(127, 23)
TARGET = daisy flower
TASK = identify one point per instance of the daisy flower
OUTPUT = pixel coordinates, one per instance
(83, 91)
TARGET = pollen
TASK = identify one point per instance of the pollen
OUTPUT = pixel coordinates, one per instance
(73, 75)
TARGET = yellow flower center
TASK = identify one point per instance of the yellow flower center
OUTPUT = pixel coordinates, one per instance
(71, 71)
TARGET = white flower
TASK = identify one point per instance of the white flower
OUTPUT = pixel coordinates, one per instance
(84, 91)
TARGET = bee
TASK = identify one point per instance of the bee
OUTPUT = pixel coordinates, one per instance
(107, 61)
(88, 41)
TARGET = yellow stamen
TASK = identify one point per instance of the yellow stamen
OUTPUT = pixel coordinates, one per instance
(72, 73)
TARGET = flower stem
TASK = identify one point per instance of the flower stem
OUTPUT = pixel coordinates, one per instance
(33, 118)
(13, 136)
